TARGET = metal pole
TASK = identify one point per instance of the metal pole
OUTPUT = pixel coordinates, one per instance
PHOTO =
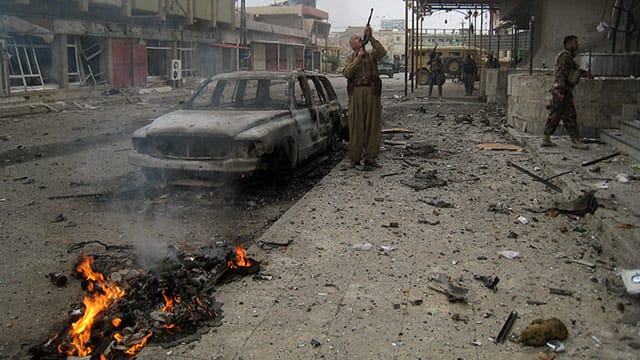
(532, 23)
(413, 44)
(406, 44)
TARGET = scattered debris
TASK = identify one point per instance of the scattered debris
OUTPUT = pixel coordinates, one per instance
(397, 130)
(424, 180)
(395, 142)
(556, 346)
(496, 146)
(315, 343)
(419, 149)
(536, 177)
(443, 285)
(362, 247)
(389, 174)
(429, 222)
(585, 263)
(58, 279)
(82, 244)
(547, 356)
(587, 163)
(392, 224)
(562, 292)
(437, 203)
(623, 178)
(490, 282)
(523, 220)
(536, 302)
(386, 249)
(624, 226)
(272, 244)
(499, 209)
(512, 235)
(539, 332)
(631, 279)
(59, 218)
(509, 254)
(463, 119)
(506, 327)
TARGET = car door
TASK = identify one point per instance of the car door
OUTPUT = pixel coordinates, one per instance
(307, 130)
(321, 111)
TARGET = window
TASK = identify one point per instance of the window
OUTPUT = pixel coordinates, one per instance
(242, 94)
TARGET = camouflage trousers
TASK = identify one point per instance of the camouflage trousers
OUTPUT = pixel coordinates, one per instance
(562, 110)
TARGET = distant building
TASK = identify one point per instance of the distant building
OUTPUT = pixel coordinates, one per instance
(392, 24)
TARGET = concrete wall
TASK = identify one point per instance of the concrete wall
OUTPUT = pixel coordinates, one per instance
(556, 19)
(493, 86)
(596, 102)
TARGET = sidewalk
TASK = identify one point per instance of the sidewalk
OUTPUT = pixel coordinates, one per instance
(327, 300)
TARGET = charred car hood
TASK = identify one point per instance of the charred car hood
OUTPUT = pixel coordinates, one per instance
(229, 123)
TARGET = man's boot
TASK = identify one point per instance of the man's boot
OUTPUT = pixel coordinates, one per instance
(577, 144)
(546, 141)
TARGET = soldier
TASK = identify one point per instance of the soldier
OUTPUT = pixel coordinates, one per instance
(567, 74)
(365, 109)
(436, 76)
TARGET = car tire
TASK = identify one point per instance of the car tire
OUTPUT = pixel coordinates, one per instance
(453, 67)
(422, 76)
(278, 165)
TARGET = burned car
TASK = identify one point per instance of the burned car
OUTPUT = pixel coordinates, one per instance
(240, 123)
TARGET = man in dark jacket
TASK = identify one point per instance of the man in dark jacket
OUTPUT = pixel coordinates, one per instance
(469, 72)
(567, 74)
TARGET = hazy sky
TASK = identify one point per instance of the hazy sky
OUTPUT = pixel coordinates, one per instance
(343, 13)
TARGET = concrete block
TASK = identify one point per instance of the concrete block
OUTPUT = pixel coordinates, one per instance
(631, 128)
(632, 110)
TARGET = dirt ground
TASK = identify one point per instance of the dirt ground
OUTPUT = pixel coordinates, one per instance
(355, 304)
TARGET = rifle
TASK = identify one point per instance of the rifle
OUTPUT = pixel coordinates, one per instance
(365, 37)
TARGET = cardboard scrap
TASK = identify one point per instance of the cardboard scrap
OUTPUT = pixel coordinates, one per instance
(496, 146)
(396, 130)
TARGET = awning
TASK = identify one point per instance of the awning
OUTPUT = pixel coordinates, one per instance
(227, 46)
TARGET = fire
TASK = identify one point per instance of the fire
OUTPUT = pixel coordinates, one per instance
(80, 331)
(135, 348)
(169, 301)
(116, 322)
(241, 259)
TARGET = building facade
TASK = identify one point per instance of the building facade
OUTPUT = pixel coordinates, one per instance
(127, 43)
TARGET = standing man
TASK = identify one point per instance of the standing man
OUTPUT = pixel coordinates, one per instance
(567, 74)
(365, 109)
(492, 62)
(469, 72)
(436, 76)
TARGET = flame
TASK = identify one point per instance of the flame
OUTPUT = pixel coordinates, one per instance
(241, 259)
(116, 322)
(135, 348)
(80, 331)
(169, 301)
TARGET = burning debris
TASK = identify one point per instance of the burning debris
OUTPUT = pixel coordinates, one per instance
(170, 304)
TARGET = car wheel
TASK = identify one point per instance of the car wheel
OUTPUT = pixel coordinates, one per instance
(277, 165)
(422, 77)
(453, 67)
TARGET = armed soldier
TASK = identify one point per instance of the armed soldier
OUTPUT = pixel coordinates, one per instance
(567, 74)
(436, 74)
(365, 109)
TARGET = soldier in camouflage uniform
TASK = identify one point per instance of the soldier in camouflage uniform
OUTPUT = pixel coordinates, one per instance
(365, 109)
(567, 74)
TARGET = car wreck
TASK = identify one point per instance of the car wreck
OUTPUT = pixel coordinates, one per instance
(239, 123)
